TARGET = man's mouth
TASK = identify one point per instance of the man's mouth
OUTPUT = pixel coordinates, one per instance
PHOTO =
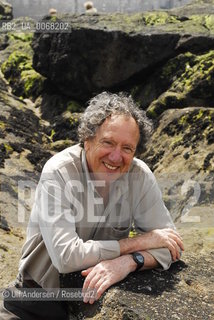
(108, 166)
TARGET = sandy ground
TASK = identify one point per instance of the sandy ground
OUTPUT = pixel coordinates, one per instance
(10, 251)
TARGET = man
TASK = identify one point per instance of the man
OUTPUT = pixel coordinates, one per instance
(89, 197)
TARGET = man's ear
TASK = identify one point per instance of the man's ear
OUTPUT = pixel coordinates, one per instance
(86, 145)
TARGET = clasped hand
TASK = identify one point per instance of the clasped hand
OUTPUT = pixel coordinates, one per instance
(165, 238)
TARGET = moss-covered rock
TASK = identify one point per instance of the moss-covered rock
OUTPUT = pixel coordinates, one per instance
(64, 127)
(24, 148)
(168, 100)
(23, 79)
(32, 82)
(74, 106)
(181, 155)
(180, 131)
(186, 80)
(197, 80)
(21, 36)
(161, 79)
(16, 61)
(157, 18)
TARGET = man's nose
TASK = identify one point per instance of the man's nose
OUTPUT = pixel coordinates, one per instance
(115, 155)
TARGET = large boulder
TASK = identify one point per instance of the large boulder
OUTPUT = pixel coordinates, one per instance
(114, 51)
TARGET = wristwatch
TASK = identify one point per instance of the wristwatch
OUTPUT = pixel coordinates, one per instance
(139, 259)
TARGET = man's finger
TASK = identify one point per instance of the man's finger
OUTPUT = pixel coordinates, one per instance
(177, 234)
(87, 282)
(102, 288)
(177, 240)
(85, 272)
(172, 248)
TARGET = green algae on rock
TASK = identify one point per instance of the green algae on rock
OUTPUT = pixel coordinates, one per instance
(23, 79)
(187, 129)
(16, 62)
(186, 80)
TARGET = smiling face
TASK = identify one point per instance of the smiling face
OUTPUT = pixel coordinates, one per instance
(110, 153)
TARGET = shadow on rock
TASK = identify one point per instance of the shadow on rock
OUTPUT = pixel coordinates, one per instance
(152, 282)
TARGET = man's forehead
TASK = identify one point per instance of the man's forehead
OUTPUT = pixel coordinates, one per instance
(116, 120)
(110, 129)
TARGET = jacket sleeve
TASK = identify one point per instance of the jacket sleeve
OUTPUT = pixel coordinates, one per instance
(151, 213)
(57, 222)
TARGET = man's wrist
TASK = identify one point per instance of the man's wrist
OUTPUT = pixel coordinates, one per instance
(129, 245)
(138, 243)
(132, 264)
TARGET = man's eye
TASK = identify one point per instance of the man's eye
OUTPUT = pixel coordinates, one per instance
(128, 150)
(107, 143)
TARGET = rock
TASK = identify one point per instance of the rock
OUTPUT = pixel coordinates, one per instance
(24, 150)
(17, 65)
(3, 41)
(114, 51)
(186, 80)
(173, 294)
(6, 11)
(65, 127)
(25, 81)
(3, 84)
(63, 116)
(52, 104)
(60, 145)
(181, 155)
(26, 143)
(195, 7)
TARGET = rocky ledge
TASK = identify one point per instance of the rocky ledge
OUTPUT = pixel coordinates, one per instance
(151, 295)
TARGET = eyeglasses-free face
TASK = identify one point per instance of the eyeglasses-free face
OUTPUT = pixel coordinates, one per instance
(110, 153)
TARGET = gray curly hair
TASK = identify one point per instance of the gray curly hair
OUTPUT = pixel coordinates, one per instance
(103, 106)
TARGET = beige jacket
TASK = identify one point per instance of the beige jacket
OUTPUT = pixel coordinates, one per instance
(69, 227)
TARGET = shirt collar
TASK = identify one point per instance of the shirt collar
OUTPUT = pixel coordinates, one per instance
(85, 166)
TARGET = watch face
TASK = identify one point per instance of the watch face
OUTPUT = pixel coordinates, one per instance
(140, 258)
